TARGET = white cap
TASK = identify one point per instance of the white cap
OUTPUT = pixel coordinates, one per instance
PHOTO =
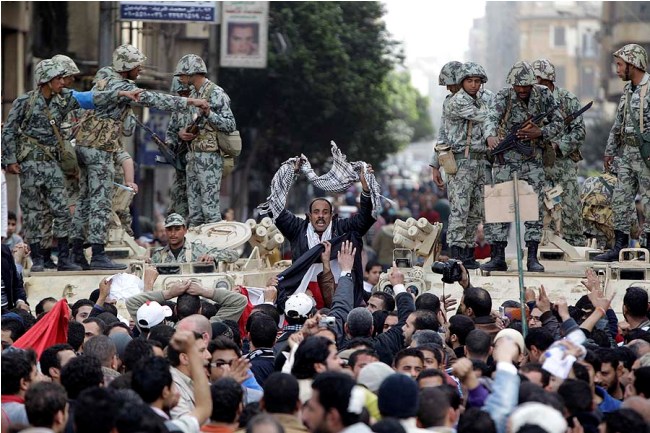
(152, 314)
(298, 305)
(541, 415)
(514, 335)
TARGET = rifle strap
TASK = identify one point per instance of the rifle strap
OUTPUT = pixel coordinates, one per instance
(59, 138)
(642, 91)
(30, 108)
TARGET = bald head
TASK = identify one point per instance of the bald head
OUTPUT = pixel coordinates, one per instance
(196, 323)
(638, 404)
(639, 347)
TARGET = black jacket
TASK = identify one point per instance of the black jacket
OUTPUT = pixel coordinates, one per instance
(12, 280)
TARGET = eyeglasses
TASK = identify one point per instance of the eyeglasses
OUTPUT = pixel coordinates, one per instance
(535, 318)
(220, 364)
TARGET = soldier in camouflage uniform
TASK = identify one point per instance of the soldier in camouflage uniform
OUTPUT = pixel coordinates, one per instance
(514, 105)
(179, 250)
(98, 138)
(631, 131)
(204, 159)
(465, 115)
(566, 145)
(178, 120)
(124, 175)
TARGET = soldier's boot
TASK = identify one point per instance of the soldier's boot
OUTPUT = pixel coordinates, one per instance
(101, 261)
(532, 263)
(48, 263)
(65, 261)
(456, 253)
(497, 258)
(621, 241)
(78, 256)
(468, 259)
(37, 258)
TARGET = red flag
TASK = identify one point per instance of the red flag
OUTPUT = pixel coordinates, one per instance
(50, 330)
(247, 312)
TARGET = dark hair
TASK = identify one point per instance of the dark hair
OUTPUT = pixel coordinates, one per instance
(263, 330)
(428, 301)
(581, 372)
(460, 325)
(269, 310)
(531, 392)
(406, 353)
(76, 335)
(134, 416)
(208, 309)
(223, 343)
(636, 301)
(426, 336)
(102, 348)
(360, 341)
(100, 323)
(608, 356)
(637, 334)
(187, 304)
(17, 365)
(313, 350)
(14, 326)
(359, 322)
(96, 411)
(39, 307)
(50, 357)
(118, 324)
(476, 420)
(531, 428)
(227, 395)
(263, 419)
(149, 377)
(625, 356)
(388, 425)
(478, 343)
(251, 410)
(11, 215)
(352, 360)
(479, 300)
(81, 303)
(161, 333)
(437, 350)
(81, 373)
(371, 264)
(43, 401)
(389, 300)
(320, 199)
(236, 334)
(600, 337)
(625, 420)
(433, 407)
(281, 393)
(172, 306)
(536, 367)
(136, 350)
(334, 391)
(642, 381)
(540, 338)
(425, 319)
(108, 319)
(430, 372)
(593, 358)
(576, 395)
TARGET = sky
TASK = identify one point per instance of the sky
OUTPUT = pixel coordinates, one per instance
(437, 30)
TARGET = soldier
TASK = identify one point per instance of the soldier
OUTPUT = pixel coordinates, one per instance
(98, 138)
(629, 138)
(513, 106)
(124, 175)
(564, 172)
(204, 159)
(180, 250)
(178, 120)
(465, 115)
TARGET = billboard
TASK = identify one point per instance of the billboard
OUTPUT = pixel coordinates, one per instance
(244, 34)
(169, 12)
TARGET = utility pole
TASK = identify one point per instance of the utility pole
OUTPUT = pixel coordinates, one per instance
(106, 33)
(213, 53)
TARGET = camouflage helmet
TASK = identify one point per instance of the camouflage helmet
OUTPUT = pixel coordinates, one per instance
(102, 74)
(521, 74)
(448, 73)
(190, 64)
(635, 55)
(472, 69)
(544, 69)
(178, 86)
(47, 70)
(127, 57)
(68, 64)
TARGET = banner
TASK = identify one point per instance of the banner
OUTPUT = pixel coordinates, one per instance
(244, 34)
(176, 12)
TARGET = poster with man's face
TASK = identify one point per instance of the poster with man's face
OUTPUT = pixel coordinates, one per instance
(244, 33)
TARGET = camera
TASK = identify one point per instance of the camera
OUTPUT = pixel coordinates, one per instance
(326, 321)
(450, 270)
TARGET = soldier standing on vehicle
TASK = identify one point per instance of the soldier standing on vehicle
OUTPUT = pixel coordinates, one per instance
(178, 121)
(99, 137)
(465, 115)
(513, 106)
(204, 160)
(564, 172)
(630, 139)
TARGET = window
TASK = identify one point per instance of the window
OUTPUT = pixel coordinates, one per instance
(559, 37)
(560, 75)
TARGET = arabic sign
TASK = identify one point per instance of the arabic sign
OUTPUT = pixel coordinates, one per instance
(244, 34)
(180, 12)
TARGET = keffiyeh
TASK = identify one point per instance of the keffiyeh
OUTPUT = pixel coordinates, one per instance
(342, 175)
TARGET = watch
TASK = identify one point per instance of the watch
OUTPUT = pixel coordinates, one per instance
(346, 274)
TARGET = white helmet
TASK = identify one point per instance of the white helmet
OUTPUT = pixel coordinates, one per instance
(298, 305)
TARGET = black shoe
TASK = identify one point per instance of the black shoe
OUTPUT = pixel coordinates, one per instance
(456, 253)
(468, 259)
(65, 262)
(620, 242)
(78, 256)
(533, 264)
(100, 261)
(38, 264)
(48, 263)
(497, 258)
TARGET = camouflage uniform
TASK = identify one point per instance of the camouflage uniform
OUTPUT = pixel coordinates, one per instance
(633, 173)
(448, 77)
(190, 252)
(204, 160)
(124, 215)
(99, 136)
(465, 115)
(178, 121)
(567, 150)
(509, 111)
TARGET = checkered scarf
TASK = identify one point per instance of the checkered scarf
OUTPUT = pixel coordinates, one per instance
(342, 175)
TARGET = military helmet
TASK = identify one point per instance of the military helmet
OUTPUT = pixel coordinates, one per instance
(102, 74)
(127, 57)
(635, 55)
(46, 70)
(472, 69)
(448, 73)
(190, 64)
(68, 64)
(178, 86)
(544, 69)
(521, 74)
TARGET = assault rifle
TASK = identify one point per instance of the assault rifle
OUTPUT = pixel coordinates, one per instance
(573, 116)
(511, 141)
(176, 160)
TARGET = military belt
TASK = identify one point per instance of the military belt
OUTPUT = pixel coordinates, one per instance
(41, 152)
(472, 155)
